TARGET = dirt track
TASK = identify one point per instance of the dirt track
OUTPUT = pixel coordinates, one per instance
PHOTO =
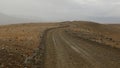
(65, 51)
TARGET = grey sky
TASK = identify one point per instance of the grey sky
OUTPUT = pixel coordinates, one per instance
(61, 10)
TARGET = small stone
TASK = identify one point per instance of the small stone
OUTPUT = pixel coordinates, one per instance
(3, 48)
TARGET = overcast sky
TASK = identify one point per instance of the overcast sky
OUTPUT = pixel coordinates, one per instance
(63, 10)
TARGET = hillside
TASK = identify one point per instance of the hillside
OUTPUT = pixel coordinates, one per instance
(31, 46)
(6, 19)
(19, 41)
(107, 34)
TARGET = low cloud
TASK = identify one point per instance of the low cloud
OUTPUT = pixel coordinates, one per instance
(62, 10)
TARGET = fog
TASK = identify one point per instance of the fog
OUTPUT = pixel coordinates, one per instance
(104, 11)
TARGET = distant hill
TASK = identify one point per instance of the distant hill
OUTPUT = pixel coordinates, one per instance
(6, 19)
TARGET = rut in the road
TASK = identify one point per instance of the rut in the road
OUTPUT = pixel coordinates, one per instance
(66, 51)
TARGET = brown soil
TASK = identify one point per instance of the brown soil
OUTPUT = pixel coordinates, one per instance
(17, 42)
(108, 34)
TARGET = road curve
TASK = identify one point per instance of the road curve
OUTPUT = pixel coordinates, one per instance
(65, 51)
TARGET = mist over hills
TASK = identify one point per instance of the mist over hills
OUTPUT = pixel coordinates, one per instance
(6, 19)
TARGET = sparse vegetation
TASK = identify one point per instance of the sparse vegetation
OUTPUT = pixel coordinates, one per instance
(17, 42)
(101, 33)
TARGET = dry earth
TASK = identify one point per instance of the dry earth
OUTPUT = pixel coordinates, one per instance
(79, 44)
(82, 45)
(108, 34)
(18, 41)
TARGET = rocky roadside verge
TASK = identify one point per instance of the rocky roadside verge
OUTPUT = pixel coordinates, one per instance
(37, 59)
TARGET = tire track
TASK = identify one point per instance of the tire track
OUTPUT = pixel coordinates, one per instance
(81, 51)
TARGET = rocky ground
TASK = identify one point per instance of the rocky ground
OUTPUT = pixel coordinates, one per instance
(107, 34)
(17, 42)
(70, 48)
(20, 43)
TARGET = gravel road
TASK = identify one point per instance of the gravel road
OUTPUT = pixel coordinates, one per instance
(65, 51)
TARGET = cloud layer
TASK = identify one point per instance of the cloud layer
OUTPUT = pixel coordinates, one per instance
(62, 10)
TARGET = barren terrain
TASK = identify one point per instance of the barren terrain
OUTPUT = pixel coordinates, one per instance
(18, 41)
(76, 44)
(108, 34)
(83, 45)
